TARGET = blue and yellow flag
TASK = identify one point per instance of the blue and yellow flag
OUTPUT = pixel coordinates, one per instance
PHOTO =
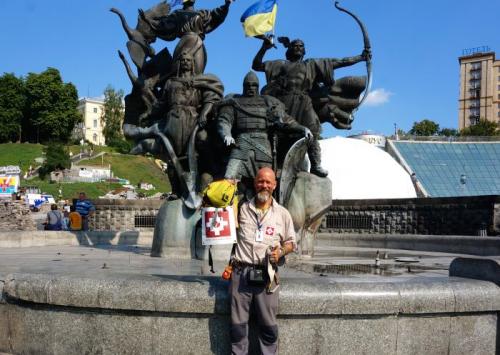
(260, 18)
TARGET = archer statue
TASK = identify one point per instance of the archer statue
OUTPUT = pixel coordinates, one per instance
(308, 89)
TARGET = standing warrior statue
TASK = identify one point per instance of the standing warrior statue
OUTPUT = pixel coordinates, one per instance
(246, 122)
(294, 81)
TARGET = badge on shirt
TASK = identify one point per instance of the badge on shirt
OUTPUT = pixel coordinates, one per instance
(270, 231)
(259, 235)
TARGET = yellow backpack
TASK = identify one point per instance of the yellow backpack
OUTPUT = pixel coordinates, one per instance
(221, 194)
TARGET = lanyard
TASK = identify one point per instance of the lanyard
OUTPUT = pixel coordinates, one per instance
(259, 222)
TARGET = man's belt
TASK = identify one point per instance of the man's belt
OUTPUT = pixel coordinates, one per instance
(241, 265)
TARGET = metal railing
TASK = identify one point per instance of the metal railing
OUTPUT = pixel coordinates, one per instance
(144, 221)
(349, 222)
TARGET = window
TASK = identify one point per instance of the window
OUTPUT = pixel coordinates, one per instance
(94, 137)
(95, 109)
(475, 103)
(95, 123)
(476, 66)
(474, 121)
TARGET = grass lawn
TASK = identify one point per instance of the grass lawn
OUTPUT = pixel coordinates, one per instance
(70, 191)
(135, 169)
(22, 154)
(131, 167)
(75, 149)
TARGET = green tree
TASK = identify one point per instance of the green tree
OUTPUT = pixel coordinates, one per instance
(51, 110)
(12, 102)
(424, 128)
(112, 116)
(448, 132)
(56, 158)
(483, 128)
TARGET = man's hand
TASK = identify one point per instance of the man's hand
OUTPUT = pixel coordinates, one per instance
(308, 134)
(276, 254)
(229, 141)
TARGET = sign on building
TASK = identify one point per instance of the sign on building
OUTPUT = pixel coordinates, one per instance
(9, 180)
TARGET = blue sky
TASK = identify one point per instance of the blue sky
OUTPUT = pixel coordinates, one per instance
(415, 47)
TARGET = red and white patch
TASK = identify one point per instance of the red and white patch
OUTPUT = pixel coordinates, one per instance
(270, 231)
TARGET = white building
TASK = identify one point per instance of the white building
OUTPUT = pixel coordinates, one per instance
(372, 138)
(359, 170)
(92, 110)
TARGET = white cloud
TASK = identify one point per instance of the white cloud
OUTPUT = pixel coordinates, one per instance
(378, 97)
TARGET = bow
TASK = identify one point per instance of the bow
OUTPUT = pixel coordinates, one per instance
(367, 49)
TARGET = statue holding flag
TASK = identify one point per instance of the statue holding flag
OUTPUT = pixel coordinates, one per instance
(307, 87)
(296, 82)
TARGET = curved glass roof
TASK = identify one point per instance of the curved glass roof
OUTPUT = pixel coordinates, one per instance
(454, 168)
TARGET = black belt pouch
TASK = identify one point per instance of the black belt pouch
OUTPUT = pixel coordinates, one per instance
(256, 277)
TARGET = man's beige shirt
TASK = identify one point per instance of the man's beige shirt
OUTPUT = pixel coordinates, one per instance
(277, 229)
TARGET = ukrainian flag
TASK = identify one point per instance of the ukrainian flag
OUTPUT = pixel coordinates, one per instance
(260, 17)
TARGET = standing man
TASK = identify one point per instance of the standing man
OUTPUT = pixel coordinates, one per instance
(265, 235)
(85, 208)
(292, 80)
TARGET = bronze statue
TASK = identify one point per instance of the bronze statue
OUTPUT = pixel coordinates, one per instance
(144, 87)
(190, 26)
(246, 122)
(140, 38)
(295, 81)
(171, 113)
(186, 104)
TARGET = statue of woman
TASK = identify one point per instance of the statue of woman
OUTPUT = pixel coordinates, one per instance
(191, 26)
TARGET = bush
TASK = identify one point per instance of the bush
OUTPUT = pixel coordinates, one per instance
(121, 145)
(56, 158)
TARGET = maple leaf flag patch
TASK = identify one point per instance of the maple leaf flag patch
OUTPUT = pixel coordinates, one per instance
(270, 231)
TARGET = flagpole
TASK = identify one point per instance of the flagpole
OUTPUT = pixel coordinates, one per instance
(274, 29)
